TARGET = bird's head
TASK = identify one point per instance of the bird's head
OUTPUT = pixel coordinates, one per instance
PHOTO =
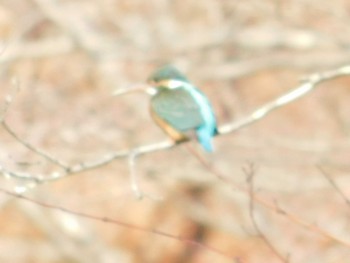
(166, 77)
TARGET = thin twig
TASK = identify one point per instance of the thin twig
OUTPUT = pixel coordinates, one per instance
(33, 148)
(8, 102)
(183, 239)
(334, 185)
(250, 173)
(307, 86)
(296, 219)
(120, 155)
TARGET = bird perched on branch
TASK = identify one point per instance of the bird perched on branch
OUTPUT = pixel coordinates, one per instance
(179, 108)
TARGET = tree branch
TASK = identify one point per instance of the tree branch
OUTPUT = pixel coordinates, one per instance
(250, 173)
(309, 84)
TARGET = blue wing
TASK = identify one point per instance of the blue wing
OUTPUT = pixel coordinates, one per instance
(177, 108)
(185, 109)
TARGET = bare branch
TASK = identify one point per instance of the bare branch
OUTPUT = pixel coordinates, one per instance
(117, 222)
(306, 87)
(250, 173)
(120, 155)
(313, 60)
(33, 148)
(8, 101)
(334, 185)
(273, 206)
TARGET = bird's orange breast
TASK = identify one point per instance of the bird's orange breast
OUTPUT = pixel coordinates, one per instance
(176, 135)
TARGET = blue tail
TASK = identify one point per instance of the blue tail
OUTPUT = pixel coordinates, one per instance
(205, 136)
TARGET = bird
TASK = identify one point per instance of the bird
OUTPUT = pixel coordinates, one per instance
(179, 108)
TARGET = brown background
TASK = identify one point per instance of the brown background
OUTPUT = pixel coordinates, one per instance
(68, 56)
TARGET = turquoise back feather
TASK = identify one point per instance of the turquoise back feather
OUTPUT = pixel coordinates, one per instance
(185, 107)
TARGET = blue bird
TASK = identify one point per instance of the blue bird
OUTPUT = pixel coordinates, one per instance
(178, 107)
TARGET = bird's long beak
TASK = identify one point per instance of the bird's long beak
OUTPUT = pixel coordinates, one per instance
(133, 88)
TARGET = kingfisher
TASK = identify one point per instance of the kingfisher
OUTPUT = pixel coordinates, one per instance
(179, 108)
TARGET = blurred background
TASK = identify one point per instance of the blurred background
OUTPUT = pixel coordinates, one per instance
(68, 56)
